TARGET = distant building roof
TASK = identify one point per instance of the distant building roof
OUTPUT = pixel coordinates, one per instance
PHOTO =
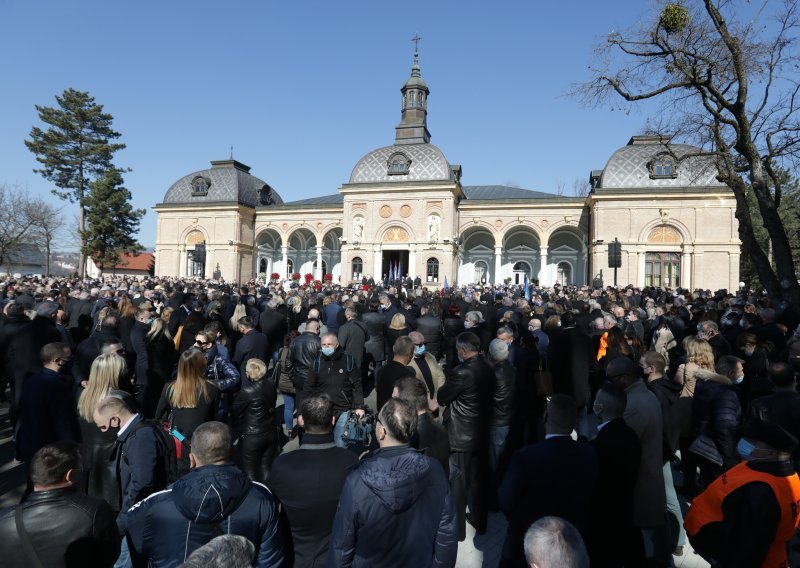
(141, 261)
(333, 199)
(503, 192)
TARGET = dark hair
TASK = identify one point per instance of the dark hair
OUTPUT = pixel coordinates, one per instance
(468, 341)
(781, 374)
(246, 322)
(562, 412)
(53, 351)
(400, 419)
(413, 391)
(211, 443)
(618, 398)
(317, 413)
(726, 365)
(567, 319)
(52, 462)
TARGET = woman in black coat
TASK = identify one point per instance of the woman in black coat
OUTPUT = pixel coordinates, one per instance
(254, 408)
(397, 328)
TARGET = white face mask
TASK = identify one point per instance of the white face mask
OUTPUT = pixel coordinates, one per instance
(749, 349)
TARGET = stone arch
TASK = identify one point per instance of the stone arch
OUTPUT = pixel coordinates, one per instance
(332, 251)
(682, 230)
(521, 243)
(301, 250)
(476, 259)
(269, 256)
(565, 243)
(196, 232)
(395, 223)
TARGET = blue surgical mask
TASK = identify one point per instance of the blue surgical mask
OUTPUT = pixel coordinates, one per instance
(467, 324)
(419, 351)
(328, 351)
(738, 380)
(745, 449)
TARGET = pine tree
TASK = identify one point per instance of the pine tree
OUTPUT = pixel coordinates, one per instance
(111, 220)
(75, 149)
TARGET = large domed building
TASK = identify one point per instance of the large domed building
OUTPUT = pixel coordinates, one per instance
(404, 208)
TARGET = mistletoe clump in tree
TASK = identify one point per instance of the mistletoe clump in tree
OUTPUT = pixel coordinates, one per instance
(111, 220)
(76, 148)
(725, 74)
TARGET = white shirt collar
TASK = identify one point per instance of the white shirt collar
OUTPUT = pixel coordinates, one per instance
(124, 427)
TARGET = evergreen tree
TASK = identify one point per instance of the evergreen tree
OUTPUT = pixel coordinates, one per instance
(75, 149)
(111, 220)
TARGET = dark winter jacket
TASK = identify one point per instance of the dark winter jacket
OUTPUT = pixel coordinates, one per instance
(206, 502)
(330, 376)
(667, 392)
(467, 393)
(396, 496)
(273, 324)
(55, 520)
(431, 327)
(254, 407)
(352, 337)
(503, 394)
(376, 335)
(302, 352)
(716, 413)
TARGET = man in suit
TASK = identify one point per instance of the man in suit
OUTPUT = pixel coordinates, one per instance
(252, 345)
(431, 438)
(612, 533)
(395, 369)
(309, 499)
(555, 477)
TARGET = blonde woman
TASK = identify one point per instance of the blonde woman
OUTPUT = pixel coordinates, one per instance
(699, 357)
(397, 328)
(254, 407)
(99, 478)
(190, 399)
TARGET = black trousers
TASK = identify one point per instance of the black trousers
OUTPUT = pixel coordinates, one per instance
(258, 451)
(469, 482)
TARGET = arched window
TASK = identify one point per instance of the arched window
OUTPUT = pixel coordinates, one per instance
(662, 269)
(289, 267)
(324, 268)
(262, 265)
(564, 274)
(521, 270)
(662, 166)
(481, 272)
(433, 270)
(200, 186)
(398, 164)
(411, 99)
(358, 268)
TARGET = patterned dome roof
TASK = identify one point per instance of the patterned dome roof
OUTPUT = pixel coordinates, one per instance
(629, 167)
(427, 163)
(225, 180)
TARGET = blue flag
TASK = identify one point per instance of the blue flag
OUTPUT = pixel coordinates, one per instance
(445, 283)
(399, 270)
(527, 289)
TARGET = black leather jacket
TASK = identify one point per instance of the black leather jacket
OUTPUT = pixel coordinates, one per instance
(376, 334)
(431, 327)
(54, 520)
(503, 400)
(302, 352)
(467, 394)
(255, 407)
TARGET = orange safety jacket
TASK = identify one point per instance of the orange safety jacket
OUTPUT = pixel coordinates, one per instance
(707, 507)
(601, 352)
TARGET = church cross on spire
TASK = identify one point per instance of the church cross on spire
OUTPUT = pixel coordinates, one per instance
(416, 39)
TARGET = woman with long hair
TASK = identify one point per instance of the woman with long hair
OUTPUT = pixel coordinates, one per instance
(189, 400)
(397, 328)
(699, 356)
(99, 477)
(254, 407)
(161, 356)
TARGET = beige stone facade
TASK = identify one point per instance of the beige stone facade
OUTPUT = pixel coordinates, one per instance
(405, 208)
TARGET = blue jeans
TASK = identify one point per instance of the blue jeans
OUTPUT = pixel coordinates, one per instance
(338, 430)
(288, 410)
(124, 560)
(673, 505)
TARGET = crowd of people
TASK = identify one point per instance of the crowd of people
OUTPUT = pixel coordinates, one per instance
(152, 416)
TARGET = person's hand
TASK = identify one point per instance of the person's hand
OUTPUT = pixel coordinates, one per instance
(433, 405)
(359, 413)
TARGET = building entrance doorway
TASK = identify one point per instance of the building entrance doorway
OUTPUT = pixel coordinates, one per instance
(395, 265)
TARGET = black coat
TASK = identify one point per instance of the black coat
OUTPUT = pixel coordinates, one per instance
(302, 352)
(618, 456)
(570, 360)
(385, 378)
(555, 477)
(138, 341)
(331, 377)
(716, 413)
(467, 393)
(273, 324)
(254, 407)
(9, 330)
(26, 346)
(87, 351)
(376, 335)
(431, 327)
(252, 345)
(98, 477)
(432, 440)
(352, 337)
(503, 394)
(55, 520)
(310, 500)
(667, 392)
(161, 357)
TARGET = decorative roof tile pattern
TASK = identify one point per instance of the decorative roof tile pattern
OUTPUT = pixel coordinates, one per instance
(427, 164)
(503, 192)
(627, 168)
(227, 183)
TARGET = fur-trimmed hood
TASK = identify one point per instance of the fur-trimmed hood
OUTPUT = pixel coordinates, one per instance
(706, 375)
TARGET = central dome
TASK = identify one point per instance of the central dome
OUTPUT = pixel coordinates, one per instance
(425, 162)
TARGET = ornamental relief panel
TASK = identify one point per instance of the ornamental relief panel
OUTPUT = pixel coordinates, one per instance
(664, 234)
(385, 211)
(395, 235)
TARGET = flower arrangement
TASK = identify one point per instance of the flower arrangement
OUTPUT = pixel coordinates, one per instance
(328, 277)
(309, 277)
(275, 276)
(296, 276)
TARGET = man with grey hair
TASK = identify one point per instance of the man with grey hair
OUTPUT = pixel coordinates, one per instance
(709, 330)
(414, 503)
(502, 404)
(352, 337)
(168, 526)
(552, 542)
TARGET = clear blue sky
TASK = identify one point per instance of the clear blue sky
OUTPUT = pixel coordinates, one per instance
(303, 89)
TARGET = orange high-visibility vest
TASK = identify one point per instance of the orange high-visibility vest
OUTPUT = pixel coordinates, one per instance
(707, 507)
(601, 352)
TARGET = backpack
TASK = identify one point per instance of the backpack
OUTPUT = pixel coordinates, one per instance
(168, 463)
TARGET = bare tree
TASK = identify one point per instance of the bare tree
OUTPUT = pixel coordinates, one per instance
(16, 222)
(48, 221)
(727, 83)
(560, 188)
(581, 187)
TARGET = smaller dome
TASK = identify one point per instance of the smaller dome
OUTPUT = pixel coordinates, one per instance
(426, 162)
(225, 180)
(647, 162)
